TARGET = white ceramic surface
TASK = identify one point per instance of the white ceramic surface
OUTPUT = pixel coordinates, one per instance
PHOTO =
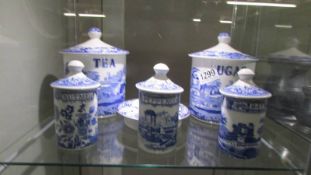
(105, 64)
(213, 69)
(130, 110)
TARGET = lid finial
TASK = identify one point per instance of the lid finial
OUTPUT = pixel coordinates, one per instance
(94, 32)
(224, 37)
(75, 67)
(161, 70)
(246, 75)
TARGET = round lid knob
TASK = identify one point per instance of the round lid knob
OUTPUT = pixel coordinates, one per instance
(161, 70)
(224, 37)
(292, 42)
(75, 66)
(94, 32)
(246, 75)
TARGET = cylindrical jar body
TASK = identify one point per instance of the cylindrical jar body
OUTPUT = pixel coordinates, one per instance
(207, 77)
(241, 126)
(75, 118)
(110, 72)
(158, 120)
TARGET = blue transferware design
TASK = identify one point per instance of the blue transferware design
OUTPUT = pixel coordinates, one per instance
(246, 106)
(245, 87)
(205, 99)
(160, 83)
(106, 65)
(222, 50)
(92, 75)
(95, 50)
(157, 126)
(240, 142)
(75, 79)
(243, 112)
(111, 93)
(159, 86)
(130, 110)
(75, 82)
(75, 121)
(95, 45)
(217, 54)
(75, 105)
(249, 91)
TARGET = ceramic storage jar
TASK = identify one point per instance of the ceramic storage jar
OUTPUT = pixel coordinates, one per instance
(212, 69)
(75, 105)
(159, 100)
(105, 64)
(243, 112)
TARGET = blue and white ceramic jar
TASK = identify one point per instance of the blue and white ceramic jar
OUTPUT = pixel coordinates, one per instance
(212, 69)
(75, 105)
(159, 101)
(105, 64)
(243, 112)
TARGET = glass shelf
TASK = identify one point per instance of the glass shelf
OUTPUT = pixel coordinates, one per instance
(291, 122)
(196, 149)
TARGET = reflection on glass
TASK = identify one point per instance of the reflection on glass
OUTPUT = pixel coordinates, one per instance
(110, 149)
(287, 82)
(201, 146)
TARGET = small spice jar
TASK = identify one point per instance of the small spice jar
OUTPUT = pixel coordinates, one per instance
(159, 100)
(242, 115)
(75, 104)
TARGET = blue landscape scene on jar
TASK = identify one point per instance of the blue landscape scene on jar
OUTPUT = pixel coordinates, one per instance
(241, 142)
(205, 98)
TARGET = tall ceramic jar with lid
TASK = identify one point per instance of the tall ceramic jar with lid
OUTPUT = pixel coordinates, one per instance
(105, 64)
(212, 69)
(75, 104)
(159, 100)
(243, 112)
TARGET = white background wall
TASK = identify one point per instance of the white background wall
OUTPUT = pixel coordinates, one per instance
(31, 33)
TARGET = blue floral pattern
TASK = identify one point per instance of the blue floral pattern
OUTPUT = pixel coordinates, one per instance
(95, 50)
(67, 112)
(76, 122)
(248, 91)
(221, 54)
(159, 86)
(75, 81)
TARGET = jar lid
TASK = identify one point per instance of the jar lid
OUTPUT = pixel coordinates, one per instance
(94, 45)
(245, 87)
(160, 83)
(75, 79)
(222, 51)
(292, 54)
